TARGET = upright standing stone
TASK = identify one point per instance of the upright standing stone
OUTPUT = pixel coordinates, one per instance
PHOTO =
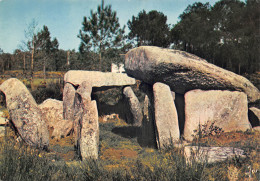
(166, 118)
(89, 139)
(223, 109)
(68, 101)
(134, 105)
(86, 126)
(78, 113)
(25, 114)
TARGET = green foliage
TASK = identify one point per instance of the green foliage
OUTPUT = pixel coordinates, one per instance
(51, 90)
(43, 41)
(40, 46)
(226, 34)
(19, 162)
(149, 29)
(6, 61)
(25, 164)
(206, 130)
(169, 165)
(45, 49)
(193, 33)
(100, 32)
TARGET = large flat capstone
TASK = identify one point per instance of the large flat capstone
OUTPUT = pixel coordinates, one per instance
(98, 79)
(184, 72)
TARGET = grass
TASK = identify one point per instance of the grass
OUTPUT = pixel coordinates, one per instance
(41, 89)
(38, 74)
(122, 158)
(38, 81)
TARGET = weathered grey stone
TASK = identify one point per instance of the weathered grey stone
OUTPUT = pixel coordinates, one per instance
(254, 116)
(97, 79)
(223, 109)
(62, 128)
(166, 118)
(25, 114)
(78, 108)
(87, 123)
(146, 111)
(183, 71)
(78, 111)
(68, 101)
(52, 113)
(212, 154)
(89, 140)
(85, 89)
(134, 105)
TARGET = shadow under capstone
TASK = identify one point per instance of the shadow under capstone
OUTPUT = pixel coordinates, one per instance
(128, 131)
(180, 107)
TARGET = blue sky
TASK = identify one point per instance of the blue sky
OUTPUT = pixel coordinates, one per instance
(64, 17)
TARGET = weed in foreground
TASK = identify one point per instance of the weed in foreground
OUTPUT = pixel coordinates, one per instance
(19, 162)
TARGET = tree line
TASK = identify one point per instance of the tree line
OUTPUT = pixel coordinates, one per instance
(226, 34)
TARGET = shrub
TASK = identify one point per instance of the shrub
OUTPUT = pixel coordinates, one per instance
(52, 90)
(207, 130)
(20, 162)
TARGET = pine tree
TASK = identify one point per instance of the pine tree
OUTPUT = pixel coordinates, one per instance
(100, 31)
(149, 29)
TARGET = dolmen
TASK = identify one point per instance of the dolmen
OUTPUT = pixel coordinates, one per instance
(212, 96)
(79, 108)
(182, 93)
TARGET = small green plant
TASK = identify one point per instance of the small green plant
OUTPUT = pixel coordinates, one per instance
(208, 130)
(249, 132)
